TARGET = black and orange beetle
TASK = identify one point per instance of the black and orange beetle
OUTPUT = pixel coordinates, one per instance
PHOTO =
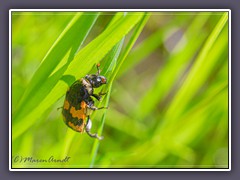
(78, 103)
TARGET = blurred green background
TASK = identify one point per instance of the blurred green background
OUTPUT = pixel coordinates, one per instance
(168, 104)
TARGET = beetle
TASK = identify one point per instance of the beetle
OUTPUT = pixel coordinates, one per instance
(79, 103)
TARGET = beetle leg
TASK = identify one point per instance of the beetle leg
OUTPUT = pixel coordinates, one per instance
(88, 128)
(99, 95)
(96, 108)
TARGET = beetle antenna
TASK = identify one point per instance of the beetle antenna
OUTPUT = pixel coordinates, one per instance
(98, 70)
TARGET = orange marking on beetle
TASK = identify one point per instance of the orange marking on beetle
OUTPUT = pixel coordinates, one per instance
(80, 114)
(76, 128)
(66, 105)
(70, 124)
(83, 105)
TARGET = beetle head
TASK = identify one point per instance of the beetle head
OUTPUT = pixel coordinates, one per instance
(96, 80)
